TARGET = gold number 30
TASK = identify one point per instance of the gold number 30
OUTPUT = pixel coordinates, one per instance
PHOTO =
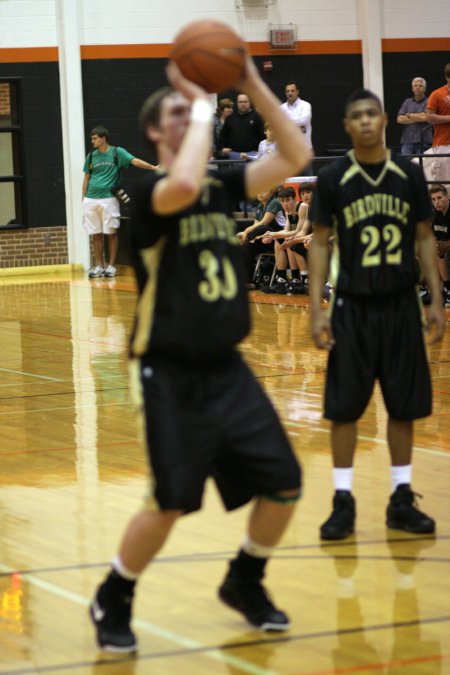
(214, 287)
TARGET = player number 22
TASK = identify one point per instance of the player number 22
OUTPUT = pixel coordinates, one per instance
(371, 238)
(214, 286)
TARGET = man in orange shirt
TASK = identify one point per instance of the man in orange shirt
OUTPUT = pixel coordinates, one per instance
(438, 114)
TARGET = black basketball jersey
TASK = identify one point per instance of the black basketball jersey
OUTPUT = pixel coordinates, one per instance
(441, 225)
(192, 295)
(373, 211)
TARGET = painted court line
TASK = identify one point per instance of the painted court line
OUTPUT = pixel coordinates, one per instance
(361, 437)
(215, 654)
(21, 372)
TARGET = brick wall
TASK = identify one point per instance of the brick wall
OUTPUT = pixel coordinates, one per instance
(5, 107)
(34, 246)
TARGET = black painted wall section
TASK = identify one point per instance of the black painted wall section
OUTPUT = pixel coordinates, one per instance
(115, 89)
(398, 71)
(42, 140)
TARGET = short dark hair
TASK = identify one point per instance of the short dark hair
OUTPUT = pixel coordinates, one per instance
(291, 82)
(438, 187)
(101, 131)
(447, 70)
(286, 192)
(361, 95)
(150, 112)
(309, 187)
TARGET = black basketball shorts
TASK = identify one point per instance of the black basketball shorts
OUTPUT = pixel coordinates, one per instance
(377, 338)
(214, 420)
(301, 250)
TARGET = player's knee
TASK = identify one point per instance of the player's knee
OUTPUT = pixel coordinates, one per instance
(284, 497)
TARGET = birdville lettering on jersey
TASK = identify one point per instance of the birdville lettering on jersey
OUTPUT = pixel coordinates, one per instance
(376, 204)
(207, 226)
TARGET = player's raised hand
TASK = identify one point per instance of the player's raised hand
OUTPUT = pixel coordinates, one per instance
(189, 89)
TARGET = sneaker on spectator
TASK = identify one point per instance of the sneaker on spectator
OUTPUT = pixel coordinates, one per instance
(327, 291)
(110, 271)
(446, 297)
(425, 295)
(298, 286)
(96, 272)
(403, 514)
(279, 286)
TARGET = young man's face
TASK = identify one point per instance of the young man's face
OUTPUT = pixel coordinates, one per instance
(365, 123)
(291, 92)
(175, 113)
(440, 201)
(306, 196)
(269, 134)
(288, 204)
(98, 141)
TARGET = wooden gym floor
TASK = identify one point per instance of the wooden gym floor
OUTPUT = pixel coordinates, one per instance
(72, 474)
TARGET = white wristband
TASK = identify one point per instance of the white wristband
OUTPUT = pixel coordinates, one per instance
(201, 111)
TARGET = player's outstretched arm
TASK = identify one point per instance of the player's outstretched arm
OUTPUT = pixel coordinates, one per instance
(292, 153)
(318, 270)
(428, 263)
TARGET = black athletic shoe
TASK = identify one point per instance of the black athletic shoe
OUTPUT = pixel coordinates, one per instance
(251, 599)
(341, 523)
(279, 286)
(402, 513)
(111, 615)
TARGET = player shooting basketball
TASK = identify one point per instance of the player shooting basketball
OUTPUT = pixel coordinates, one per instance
(202, 411)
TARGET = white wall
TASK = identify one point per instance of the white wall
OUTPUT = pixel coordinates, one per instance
(31, 23)
(416, 18)
(27, 23)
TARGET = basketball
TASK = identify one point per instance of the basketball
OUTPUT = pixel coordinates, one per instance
(210, 54)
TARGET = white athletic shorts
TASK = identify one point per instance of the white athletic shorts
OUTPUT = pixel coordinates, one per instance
(101, 215)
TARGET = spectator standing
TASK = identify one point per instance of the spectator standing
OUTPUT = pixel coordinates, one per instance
(225, 108)
(300, 112)
(438, 114)
(380, 210)
(417, 133)
(101, 209)
(242, 131)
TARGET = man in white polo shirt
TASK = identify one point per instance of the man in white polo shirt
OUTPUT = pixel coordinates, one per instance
(300, 113)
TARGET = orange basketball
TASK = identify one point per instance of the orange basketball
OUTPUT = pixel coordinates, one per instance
(210, 54)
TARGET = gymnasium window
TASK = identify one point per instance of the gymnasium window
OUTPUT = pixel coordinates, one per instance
(11, 162)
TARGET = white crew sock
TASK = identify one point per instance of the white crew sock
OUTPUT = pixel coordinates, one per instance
(257, 550)
(125, 573)
(400, 474)
(343, 479)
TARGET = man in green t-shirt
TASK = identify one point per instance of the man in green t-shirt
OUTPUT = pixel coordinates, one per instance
(101, 214)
